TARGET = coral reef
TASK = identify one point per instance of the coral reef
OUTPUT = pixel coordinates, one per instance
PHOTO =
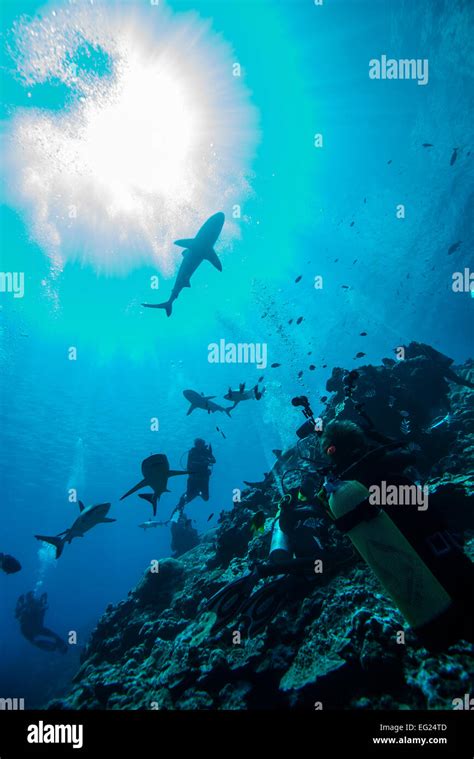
(337, 645)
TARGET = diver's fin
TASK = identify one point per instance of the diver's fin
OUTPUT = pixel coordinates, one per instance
(81, 506)
(191, 409)
(186, 242)
(168, 306)
(229, 599)
(262, 606)
(134, 489)
(58, 543)
(213, 259)
(175, 472)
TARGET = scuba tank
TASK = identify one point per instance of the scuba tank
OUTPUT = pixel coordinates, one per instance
(280, 546)
(413, 587)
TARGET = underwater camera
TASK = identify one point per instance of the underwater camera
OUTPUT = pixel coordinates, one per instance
(308, 427)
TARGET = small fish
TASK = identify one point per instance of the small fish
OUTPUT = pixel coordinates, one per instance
(300, 374)
(312, 367)
(389, 161)
(454, 247)
(359, 355)
(370, 393)
(219, 430)
(365, 200)
(291, 321)
(427, 145)
(454, 156)
(405, 427)
(352, 224)
(354, 261)
(275, 366)
(345, 287)
(298, 279)
(439, 421)
(9, 564)
(336, 260)
(299, 320)
(325, 366)
(363, 334)
(260, 379)
(323, 398)
(405, 414)
(257, 523)
(210, 516)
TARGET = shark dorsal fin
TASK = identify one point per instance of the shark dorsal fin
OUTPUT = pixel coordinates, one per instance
(81, 506)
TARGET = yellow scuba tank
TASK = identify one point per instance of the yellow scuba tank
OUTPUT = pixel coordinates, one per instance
(406, 578)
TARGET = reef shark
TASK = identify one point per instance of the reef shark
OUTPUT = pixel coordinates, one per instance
(88, 518)
(243, 395)
(196, 250)
(203, 401)
(156, 471)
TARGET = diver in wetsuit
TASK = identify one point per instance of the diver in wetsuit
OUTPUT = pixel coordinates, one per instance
(183, 535)
(200, 458)
(302, 551)
(30, 613)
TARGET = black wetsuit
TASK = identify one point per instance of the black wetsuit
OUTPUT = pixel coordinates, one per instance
(199, 460)
(30, 612)
(183, 536)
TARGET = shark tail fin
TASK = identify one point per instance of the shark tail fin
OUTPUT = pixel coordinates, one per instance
(151, 498)
(134, 489)
(168, 306)
(229, 409)
(214, 260)
(58, 543)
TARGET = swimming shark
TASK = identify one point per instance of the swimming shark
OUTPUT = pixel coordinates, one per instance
(203, 401)
(196, 250)
(89, 517)
(243, 395)
(156, 471)
(151, 523)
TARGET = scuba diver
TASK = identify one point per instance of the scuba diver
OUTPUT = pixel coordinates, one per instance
(433, 585)
(30, 612)
(302, 550)
(183, 535)
(200, 458)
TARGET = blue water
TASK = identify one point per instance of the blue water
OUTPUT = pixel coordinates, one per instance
(86, 423)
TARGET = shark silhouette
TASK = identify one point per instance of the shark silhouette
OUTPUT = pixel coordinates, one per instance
(156, 471)
(88, 518)
(196, 250)
(237, 396)
(203, 401)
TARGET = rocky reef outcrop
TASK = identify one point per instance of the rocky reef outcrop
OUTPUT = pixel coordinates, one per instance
(337, 644)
